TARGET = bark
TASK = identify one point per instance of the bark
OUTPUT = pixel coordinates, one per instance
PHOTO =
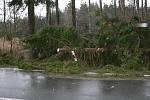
(138, 8)
(146, 16)
(101, 6)
(89, 16)
(47, 13)
(142, 5)
(122, 7)
(73, 13)
(57, 12)
(50, 16)
(31, 17)
(14, 26)
(14, 13)
(4, 10)
(115, 8)
(11, 38)
(133, 7)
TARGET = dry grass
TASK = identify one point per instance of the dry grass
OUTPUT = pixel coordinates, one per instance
(17, 48)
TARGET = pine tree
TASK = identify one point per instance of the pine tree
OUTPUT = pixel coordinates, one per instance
(57, 12)
(31, 15)
(73, 13)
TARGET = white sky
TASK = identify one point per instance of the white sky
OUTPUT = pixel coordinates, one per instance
(63, 3)
(40, 10)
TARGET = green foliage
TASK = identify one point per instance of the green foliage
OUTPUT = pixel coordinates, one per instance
(50, 38)
(55, 67)
(64, 67)
(134, 64)
(50, 66)
(25, 65)
(20, 63)
(112, 69)
(123, 40)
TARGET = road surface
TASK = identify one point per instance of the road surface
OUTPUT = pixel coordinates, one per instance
(20, 85)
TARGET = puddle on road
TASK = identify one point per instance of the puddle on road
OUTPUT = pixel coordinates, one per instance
(9, 99)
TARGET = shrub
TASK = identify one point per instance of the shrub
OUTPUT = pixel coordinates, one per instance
(134, 63)
(68, 67)
(73, 68)
(49, 39)
(25, 65)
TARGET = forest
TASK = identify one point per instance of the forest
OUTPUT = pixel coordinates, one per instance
(97, 36)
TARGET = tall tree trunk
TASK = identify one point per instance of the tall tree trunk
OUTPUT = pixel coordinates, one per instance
(101, 6)
(4, 10)
(146, 16)
(142, 7)
(50, 16)
(138, 7)
(133, 8)
(47, 12)
(31, 17)
(57, 12)
(115, 8)
(90, 16)
(122, 8)
(31, 23)
(14, 26)
(73, 13)
(14, 13)
(10, 37)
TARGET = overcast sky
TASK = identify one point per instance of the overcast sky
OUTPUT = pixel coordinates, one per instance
(40, 10)
(63, 3)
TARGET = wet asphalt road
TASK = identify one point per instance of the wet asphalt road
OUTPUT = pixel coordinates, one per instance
(37, 86)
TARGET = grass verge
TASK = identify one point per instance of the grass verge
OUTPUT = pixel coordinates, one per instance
(73, 69)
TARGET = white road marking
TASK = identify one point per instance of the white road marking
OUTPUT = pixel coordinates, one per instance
(9, 99)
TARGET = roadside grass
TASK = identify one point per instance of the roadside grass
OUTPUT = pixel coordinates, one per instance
(71, 68)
